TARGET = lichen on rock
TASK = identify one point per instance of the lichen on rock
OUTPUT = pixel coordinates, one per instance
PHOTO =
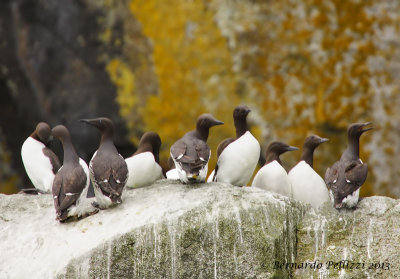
(210, 230)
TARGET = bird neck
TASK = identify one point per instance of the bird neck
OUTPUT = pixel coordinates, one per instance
(106, 138)
(70, 156)
(144, 147)
(272, 157)
(353, 148)
(241, 127)
(107, 142)
(308, 156)
(202, 133)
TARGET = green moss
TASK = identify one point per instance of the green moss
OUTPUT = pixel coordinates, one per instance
(202, 243)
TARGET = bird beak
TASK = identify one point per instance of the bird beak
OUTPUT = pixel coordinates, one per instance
(292, 148)
(217, 122)
(91, 122)
(248, 111)
(322, 140)
(364, 127)
(84, 121)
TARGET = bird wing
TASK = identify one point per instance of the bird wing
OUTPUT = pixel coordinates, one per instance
(203, 151)
(56, 190)
(178, 150)
(332, 174)
(223, 144)
(112, 177)
(356, 173)
(74, 182)
(119, 174)
(191, 157)
(55, 162)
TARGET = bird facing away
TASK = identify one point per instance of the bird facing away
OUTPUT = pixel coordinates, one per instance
(40, 162)
(272, 176)
(71, 182)
(307, 185)
(237, 158)
(191, 152)
(345, 177)
(143, 165)
(108, 169)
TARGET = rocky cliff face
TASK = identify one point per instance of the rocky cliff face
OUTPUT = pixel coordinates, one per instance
(170, 230)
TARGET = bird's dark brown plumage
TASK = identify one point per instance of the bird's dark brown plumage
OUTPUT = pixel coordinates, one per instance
(348, 174)
(71, 179)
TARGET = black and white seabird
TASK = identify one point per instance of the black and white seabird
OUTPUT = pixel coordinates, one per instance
(307, 185)
(272, 176)
(40, 162)
(172, 173)
(191, 152)
(71, 183)
(108, 169)
(237, 158)
(345, 177)
(143, 165)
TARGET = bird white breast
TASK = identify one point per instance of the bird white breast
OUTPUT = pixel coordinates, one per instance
(273, 177)
(143, 170)
(211, 176)
(37, 165)
(237, 162)
(351, 200)
(172, 174)
(307, 185)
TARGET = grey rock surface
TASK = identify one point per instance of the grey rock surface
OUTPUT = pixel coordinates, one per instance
(214, 230)
(361, 243)
(167, 230)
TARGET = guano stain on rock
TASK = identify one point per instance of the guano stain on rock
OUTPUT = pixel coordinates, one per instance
(214, 230)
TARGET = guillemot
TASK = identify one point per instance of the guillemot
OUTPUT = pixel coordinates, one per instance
(108, 169)
(272, 176)
(71, 183)
(345, 177)
(143, 165)
(191, 152)
(40, 162)
(237, 158)
(307, 185)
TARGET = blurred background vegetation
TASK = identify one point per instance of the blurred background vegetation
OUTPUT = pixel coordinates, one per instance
(303, 67)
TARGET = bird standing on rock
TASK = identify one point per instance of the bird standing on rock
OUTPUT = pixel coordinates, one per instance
(143, 165)
(272, 176)
(307, 185)
(237, 158)
(191, 152)
(108, 169)
(71, 183)
(345, 177)
(172, 172)
(40, 162)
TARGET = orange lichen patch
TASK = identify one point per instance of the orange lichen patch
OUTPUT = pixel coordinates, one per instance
(9, 186)
(193, 66)
(8, 178)
(308, 67)
(124, 79)
(312, 70)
